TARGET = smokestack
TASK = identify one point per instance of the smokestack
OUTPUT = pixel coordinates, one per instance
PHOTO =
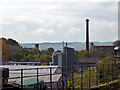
(87, 34)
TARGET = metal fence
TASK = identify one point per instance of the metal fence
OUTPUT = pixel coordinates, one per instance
(79, 76)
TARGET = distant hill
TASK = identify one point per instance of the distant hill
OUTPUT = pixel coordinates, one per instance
(58, 46)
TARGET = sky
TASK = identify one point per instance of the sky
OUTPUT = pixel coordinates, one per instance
(57, 21)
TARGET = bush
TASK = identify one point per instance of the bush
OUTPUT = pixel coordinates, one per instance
(83, 54)
(106, 70)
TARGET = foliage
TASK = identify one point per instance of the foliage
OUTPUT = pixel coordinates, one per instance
(48, 51)
(5, 51)
(45, 58)
(85, 81)
(18, 53)
(16, 56)
(116, 43)
(31, 55)
(44, 63)
(83, 53)
(92, 54)
(106, 69)
(10, 41)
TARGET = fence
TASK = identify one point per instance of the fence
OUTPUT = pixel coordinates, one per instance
(82, 76)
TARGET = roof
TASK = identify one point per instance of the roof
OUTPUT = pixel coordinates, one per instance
(103, 46)
(23, 62)
(89, 60)
(29, 81)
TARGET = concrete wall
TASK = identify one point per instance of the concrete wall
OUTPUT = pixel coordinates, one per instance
(55, 60)
(70, 59)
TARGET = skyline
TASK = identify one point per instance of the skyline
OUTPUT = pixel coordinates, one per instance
(37, 21)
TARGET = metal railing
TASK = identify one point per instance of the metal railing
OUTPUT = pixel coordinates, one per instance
(78, 76)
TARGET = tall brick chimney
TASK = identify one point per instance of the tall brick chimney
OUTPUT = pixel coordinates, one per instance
(87, 34)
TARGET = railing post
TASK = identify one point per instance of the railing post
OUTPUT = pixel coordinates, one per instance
(51, 78)
(81, 77)
(37, 80)
(96, 75)
(62, 79)
(112, 73)
(103, 74)
(3, 80)
(89, 76)
(72, 68)
(108, 72)
(115, 71)
(21, 78)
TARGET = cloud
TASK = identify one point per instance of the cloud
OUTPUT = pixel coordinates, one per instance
(33, 20)
(43, 32)
(103, 31)
(72, 31)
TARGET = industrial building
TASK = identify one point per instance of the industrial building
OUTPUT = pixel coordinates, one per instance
(64, 59)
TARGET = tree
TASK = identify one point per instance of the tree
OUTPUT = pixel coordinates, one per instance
(25, 59)
(116, 43)
(45, 58)
(12, 42)
(50, 49)
(103, 67)
(30, 57)
(16, 56)
(33, 51)
(37, 56)
(93, 53)
(83, 54)
(5, 51)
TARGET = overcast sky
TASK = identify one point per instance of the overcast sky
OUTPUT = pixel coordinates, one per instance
(56, 21)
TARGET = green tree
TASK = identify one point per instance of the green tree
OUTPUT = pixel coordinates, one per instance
(11, 42)
(25, 59)
(102, 55)
(92, 53)
(16, 56)
(105, 66)
(30, 57)
(50, 50)
(83, 54)
(33, 51)
(37, 56)
(45, 58)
